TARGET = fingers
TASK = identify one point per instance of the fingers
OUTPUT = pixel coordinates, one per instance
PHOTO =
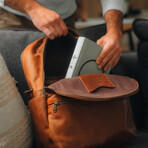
(56, 29)
(103, 57)
(113, 60)
(64, 27)
(109, 56)
(50, 23)
(48, 33)
(60, 28)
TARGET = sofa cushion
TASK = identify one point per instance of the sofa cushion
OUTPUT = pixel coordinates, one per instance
(132, 68)
(15, 127)
(93, 32)
(140, 142)
(12, 43)
(143, 53)
(140, 27)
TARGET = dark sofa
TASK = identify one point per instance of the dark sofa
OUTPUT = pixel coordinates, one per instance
(140, 27)
(13, 42)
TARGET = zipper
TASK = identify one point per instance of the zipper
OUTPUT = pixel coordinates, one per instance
(57, 103)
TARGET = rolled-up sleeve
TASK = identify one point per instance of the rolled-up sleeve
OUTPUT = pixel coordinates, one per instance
(113, 4)
(2, 2)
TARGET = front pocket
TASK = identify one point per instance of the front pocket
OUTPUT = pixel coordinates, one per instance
(58, 103)
(88, 121)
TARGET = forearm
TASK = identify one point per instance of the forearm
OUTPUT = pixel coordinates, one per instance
(113, 19)
(25, 6)
(46, 20)
(111, 41)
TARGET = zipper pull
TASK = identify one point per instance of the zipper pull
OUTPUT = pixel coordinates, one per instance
(55, 106)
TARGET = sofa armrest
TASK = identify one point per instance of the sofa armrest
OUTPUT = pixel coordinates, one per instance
(140, 28)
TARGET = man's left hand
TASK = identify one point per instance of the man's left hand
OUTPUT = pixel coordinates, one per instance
(111, 51)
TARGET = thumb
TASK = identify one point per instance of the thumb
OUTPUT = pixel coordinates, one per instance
(100, 42)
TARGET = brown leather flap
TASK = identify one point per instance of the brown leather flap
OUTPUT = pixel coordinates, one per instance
(73, 87)
(94, 81)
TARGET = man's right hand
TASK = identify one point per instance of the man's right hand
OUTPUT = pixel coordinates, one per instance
(48, 21)
(44, 19)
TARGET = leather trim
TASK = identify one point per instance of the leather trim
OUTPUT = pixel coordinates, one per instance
(94, 81)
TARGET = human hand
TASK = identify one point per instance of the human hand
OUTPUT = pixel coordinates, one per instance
(111, 52)
(48, 22)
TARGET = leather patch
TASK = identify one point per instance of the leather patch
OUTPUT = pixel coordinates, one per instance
(94, 81)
